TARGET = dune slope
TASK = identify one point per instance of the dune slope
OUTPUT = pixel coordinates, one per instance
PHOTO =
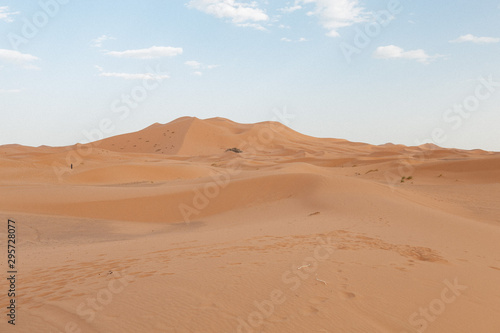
(163, 230)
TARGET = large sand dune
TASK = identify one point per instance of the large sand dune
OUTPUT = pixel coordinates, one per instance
(163, 230)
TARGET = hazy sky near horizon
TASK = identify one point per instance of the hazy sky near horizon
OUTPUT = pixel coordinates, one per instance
(373, 71)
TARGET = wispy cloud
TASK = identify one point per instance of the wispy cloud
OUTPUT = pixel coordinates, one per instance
(197, 66)
(395, 52)
(193, 64)
(474, 39)
(132, 76)
(336, 14)
(5, 14)
(288, 40)
(23, 60)
(99, 40)
(290, 9)
(240, 13)
(150, 53)
(10, 91)
(256, 26)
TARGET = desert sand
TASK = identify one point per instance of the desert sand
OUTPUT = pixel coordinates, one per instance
(163, 230)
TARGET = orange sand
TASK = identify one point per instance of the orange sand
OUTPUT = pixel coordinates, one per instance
(295, 234)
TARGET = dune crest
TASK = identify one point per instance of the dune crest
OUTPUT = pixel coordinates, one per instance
(311, 234)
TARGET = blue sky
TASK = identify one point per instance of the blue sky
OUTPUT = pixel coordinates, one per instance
(373, 71)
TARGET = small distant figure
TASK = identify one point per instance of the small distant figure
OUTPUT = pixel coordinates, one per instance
(71, 166)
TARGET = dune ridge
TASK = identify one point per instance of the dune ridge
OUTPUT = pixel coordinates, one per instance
(343, 236)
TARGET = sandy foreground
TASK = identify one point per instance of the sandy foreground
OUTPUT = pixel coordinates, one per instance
(162, 230)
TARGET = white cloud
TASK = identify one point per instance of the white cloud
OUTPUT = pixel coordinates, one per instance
(290, 9)
(150, 53)
(21, 59)
(5, 14)
(288, 40)
(474, 39)
(132, 76)
(196, 66)
(193, 64)
(99, 40)
(10, 91)
(336, 14)
(395, 52)
(240, 13)
(251, 25)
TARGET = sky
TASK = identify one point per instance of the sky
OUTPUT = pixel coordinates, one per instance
(400, 71)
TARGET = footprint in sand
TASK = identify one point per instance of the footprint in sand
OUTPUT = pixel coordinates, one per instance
(308, 310)
(346, 295)
(318, 300)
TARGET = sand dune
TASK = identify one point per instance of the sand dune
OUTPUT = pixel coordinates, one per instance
(163, 230)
